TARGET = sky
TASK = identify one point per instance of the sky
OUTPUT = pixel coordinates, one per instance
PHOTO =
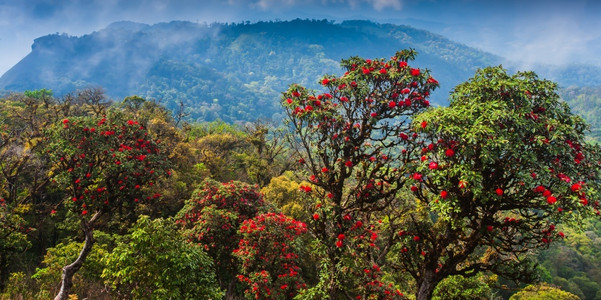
(524, 31)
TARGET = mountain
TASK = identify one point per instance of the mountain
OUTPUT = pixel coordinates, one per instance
(235, 72)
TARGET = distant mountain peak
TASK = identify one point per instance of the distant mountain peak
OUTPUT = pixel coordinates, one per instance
(127, 25)
(232, 71)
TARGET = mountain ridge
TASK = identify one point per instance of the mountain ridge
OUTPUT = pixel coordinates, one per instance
(231, 71)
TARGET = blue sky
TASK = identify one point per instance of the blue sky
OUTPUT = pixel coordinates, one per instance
(547, 31)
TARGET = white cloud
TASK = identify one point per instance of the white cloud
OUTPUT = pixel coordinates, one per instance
(382, 4)
(266, 5)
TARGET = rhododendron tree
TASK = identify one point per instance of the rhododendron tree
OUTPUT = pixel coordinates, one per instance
(354, 141)
(212, 218)
(104, 165)
(511, 162)
(270, 251)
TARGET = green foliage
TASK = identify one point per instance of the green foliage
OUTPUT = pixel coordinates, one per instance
(459, 287)
(156, 262)
(283, 192)
(543, 292)
(87, 282)
(227, 152)
(573, 263)
(13, 238)
(19, 286)
(586, 102)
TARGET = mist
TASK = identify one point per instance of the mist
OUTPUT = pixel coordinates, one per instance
(525, 32)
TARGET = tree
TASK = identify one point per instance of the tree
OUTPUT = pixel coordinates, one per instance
(105, 165)
(212, 218)
(270, 252)
(283, 192)
(87, 282)
(23, 179)
(543, 292)
(460, 288)
(500, 167)
(156, 262)
(353, 141)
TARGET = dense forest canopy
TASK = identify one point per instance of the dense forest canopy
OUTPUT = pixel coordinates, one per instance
(366, 191)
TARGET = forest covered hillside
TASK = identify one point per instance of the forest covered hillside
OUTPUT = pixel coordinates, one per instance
(230, 72)
(235, 72)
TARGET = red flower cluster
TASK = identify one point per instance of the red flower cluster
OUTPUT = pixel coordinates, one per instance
(92, 160)
(269, 256)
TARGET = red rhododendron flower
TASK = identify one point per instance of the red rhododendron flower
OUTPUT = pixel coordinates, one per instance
(489, 228)
(325, 81)
(499, 192)
(551, 200)
(449, 152)
(416, 238)
(424, 124)
(315, 217)
(402, 64)
(576, 187)
(338, 243)
(415, 72)
(391, 104)
(348, 163)
(443, 194)
(324, 170)
(66, 121)
(341, 236)
(432, 80)
(433, 165)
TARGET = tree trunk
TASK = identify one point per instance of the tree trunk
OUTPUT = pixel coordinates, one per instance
(230, 292)
(426, 286)
(333, 289)
(70, 270)
(3, 271)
